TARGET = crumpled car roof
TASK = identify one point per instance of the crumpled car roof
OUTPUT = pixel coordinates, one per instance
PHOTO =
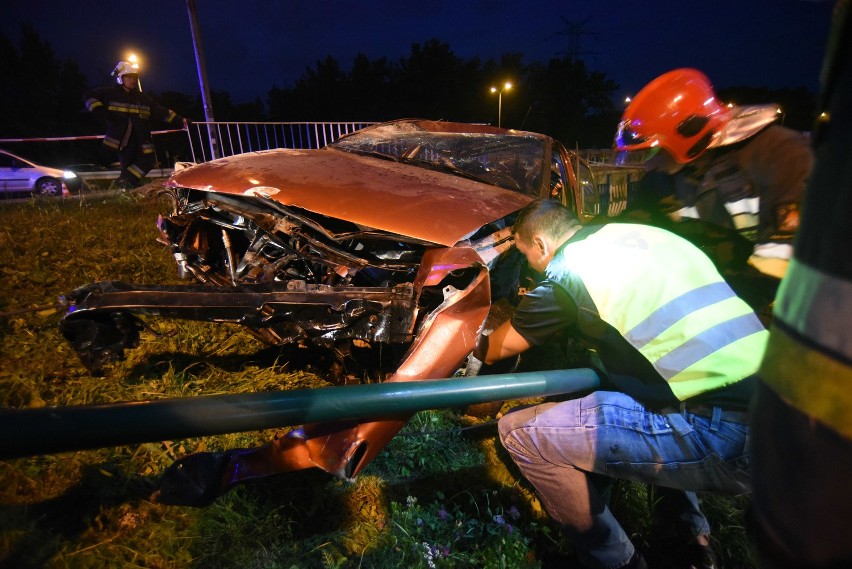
(385, 195)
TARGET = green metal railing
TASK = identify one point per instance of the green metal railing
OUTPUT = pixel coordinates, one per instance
(60, 429)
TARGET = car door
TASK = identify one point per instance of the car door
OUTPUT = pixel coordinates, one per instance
(16, 175)
(5, 170)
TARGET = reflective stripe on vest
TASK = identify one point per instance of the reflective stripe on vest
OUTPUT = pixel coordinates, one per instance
(814, 375)
(683, 317)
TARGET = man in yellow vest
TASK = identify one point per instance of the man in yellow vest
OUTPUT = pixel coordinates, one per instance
(677, 349)
(801, 515)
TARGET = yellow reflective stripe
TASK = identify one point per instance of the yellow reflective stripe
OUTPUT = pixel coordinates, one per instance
(122, 108)
(734, 362)
(93, 104)
(171, 116)
(142, 110)
(813, 382)
(111, 142)
(136, 171)
(817, 306)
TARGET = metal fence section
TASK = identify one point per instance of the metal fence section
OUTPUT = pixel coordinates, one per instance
(617, 187)
(209, 140)
(613, 157)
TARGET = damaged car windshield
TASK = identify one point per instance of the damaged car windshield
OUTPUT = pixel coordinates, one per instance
(513, 162)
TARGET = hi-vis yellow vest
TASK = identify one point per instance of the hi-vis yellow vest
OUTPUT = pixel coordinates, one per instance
(668, 300)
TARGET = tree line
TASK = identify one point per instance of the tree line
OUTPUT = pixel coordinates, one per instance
(42, 96)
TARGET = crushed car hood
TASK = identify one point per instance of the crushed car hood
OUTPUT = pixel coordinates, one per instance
(381, 194)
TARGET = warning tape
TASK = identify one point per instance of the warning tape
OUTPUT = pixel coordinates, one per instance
(87, 137)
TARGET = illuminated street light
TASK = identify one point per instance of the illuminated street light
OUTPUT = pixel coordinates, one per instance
(506, 87)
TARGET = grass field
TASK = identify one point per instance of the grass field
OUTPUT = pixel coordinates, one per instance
(442, 494)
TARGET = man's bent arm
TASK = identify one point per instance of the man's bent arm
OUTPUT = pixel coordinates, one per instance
(502, 343)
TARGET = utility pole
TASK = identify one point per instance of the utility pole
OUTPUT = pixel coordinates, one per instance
(202, 77)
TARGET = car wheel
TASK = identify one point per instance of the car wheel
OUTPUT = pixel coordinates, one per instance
(49, 187)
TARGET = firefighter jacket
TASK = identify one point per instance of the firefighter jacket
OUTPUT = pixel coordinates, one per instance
(665, 324)
(809, 359)
(128, 115)
(755, 186)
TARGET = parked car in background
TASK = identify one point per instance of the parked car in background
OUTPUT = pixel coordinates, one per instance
(19, 175)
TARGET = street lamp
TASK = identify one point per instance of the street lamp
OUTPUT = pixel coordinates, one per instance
(506, 87)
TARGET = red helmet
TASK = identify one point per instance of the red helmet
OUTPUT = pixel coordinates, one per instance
(678, 111)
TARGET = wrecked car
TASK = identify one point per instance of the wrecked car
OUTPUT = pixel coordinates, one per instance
(351, 246)
(385, 249)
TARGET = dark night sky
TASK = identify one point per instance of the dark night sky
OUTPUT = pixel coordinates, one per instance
(251, 45)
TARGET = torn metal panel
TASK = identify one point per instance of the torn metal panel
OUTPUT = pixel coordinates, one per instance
(344, 448)
(103, 323)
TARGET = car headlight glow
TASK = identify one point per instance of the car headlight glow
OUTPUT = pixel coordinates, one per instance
(68, 175)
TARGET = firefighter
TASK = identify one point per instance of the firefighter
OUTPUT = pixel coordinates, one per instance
(676, 349)
(127, 112)
(731, 166)
(802, 417)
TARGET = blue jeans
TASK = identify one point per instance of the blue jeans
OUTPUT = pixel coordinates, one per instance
(556, 446)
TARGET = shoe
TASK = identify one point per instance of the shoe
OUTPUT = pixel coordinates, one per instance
(122, 184)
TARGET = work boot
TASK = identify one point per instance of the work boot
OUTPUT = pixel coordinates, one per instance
(118, 184)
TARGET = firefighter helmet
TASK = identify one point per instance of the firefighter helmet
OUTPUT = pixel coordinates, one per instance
(678, 111)
(123, 68)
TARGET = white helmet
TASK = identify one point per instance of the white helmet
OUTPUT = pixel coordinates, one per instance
(123, 68)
